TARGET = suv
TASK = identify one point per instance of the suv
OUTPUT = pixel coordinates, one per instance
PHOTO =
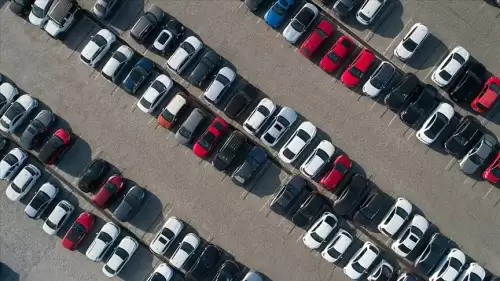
(419, 106)
(308, 210)
(287, 194)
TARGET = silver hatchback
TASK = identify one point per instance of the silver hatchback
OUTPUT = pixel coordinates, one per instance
(186, 131)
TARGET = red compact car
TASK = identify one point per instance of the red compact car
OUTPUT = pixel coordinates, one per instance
(78, 231)
(55, 147)
(492, 173)
(341, 166)
(108, 190)
(357, 68)
(487, 97)
(210, 137)
(337, 53)
(322, 31)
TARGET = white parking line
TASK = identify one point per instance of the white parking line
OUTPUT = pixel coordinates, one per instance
(450, 164)
(241, 5)
(278, 34)
(133, 107)
(301, 235)
(487, 192)
(282, 220)
(392, 120)
(151, 121)
(258, 21)
(411, 134)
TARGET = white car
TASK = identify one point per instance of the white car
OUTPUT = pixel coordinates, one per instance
(7, 94)
(155, 93)
(219, 85)
(184, 54)
(17, 112)
(259, 116)
(115, 64)
(252, 275)
(185, 249)
(450, 266)
(474, 272)
(279, 126)
(369, 11)
(162, 272)
(320, 230)
(120, 256)
(97, 47)
(102, 242)
(11, 163)
(161, 42)
(300, 23)
(411, 42)
(38, 14)
(435, 123)
(41, 200)
(58, 217)
(450, 66)
(411, 236)
(338, 246)
(379, 79)
(382, 271)
(361, 261)
(23, 182)
(396, 217)
(320, 156)
(166, 236)
(300, 139)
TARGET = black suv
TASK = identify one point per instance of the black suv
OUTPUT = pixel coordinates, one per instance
(465, 136)
(351, 197)
(204, 263)
(240, 101)
(370, 208)
(403, 91)
(288, 194)
(438, 246)
(468, 86)
(420, 105)
(208, 63)
(228, 151)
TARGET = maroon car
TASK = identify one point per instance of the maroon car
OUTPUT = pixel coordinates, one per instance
(108, 190)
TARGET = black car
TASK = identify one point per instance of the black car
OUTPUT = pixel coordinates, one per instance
(208, 63)
(228, 271)
(438, 246)
(137, 75)
(130, 204)
(228, 151)
(352, 196)
(288, 194)
(403, 91)
(308, 210)
(204, 263)
(343, 7)
(420, 105)
(240, 100)
(493, 277)
(468, 86)
(253, 5)
(93, 175)
(370, 208)
(37, 129)
(151, 19)
(255, 159)
(21, 7)
(465, 136)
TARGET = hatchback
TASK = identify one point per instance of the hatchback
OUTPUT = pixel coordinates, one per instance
(395, 217)
(411, 236)
(23, 182)
(41, 200)
(114, 66)
(300, 139)
(185, 250)
(108, 190)
(103, 242)
(321, 32)
(320, 230)
(259, 116)
(151, 19)
(369, 11)
(186, 131)
(120, 256)
(239, 101)
(17, 112)
(411, 42)
(450, 66)
(167, 234)
(358, 67)
(55, 147)
(379, 79)
(487, 97)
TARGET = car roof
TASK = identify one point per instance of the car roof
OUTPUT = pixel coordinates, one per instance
(370, 7)
(386, 70)
(421, 31)
(364, 60)
(176, 103)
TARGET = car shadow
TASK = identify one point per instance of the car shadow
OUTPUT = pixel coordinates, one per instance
(142, 259)
(132, 8)
(6, 272)
(390, 23)
(80, 149)
(143, 219)
(268, 183)
(429, 55)
(80, 33)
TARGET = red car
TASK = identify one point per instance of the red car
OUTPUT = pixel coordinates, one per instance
(337, 53)
(357, 68)
(55, 147)
(78, 231)
(322, 31)
(341, 166)
(210, 137)
(492, 173)
(487, 97)
(108, 190)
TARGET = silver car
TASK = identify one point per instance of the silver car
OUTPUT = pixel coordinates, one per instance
(185, 133)
(477, 155)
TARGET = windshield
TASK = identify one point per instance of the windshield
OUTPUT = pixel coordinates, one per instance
(364, 17)
(476, 159)
(222, 79)
(357, 267)
(119, 57)
(38, 12)
(438, 125)
(297, 26)
(355, 72)
(158, 86)
(40, 199)
(340, 167)
(157, 277)
(99, 40)
(316, 237)
(145, 103)
(14, 110)
(263, 110)
(377, 83)
(445, 75)
(303, 135)
(76, 232)
(282, 120)
(459, 58)
(207, 140)
(455, 263)
(288, 154)
(495, 88)
(162, 39)
(184, 132)
(187, 47)
(496, 171)
(333, 253)
(410, 45)
(104, 237)
(51, 224)
(333, 57)
(10, 159)
(167, 115)
(100, 8)
(186, 247)
(167, 233)
(402, 213)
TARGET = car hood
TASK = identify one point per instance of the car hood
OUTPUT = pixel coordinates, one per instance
(30, 211)
(111, 66)
(12, 194)
(36, 20)
(401, 52)
(214, 90)
(395, 223)
(89, 50)
(370, 90)
(291, 34)
(468, 166)
(179, 259)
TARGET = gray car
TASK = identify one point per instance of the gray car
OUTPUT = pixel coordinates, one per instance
(151, 19)
(185, 133)
(477, 155)
(130, 204)
(37, 128)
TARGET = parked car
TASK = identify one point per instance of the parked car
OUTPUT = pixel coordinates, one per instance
(369, 11)
(92, 175)
(61, 16)
(337, 247)
(253, 5)
(294, 146)
(97, 47)
(78, 231)
(172, 110)
(108, 190)
(41, 200)
(419, 105)
(450, 66)
(450, 266)
(277, 13)
(487, 97)
(7, 94)
(252, 276)
(401, 93)
(396, 217)
(155, 93)
(239, 101)
(162, 272)
(122, 254)
(115, 65)
(103, 242)
(476, 157)
(130, 204)
(38, 14)
(467, 134)
(411, 236)
(204, 263)
(412, 41)
(381, 272)
(210, 137)
(228, 152)
(168, 37)
(358, 67)
(320, 230)
(492, 172)
(352, 196)
(36, 130)
(337, 53)
(103, 8)
(150, 20)
(186, 52)
(186, 131)
(219, 85)
(208, 63)
(137, 75)
(255, 159)
(340, 168)
(370, 208)
(58, 217)
(21, 7)
(23, 182)
(11, 163)
(435, 123)
(308, 210)
(432, 254)
(185, 250)
(379, 79)
(318, 159)
(467, 87)
(167, 234)
(259, 116)
(287, 194)
(361, 261)
(300, 23)
(343, 7)
(280, 124)
(229, 270)
(55, 147)
(17, 112)
(321, 32)
(473, 272)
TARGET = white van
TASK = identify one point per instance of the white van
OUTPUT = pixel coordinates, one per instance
(181, 58)
(61, 17)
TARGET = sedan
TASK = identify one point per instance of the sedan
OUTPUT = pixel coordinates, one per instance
(259, 116)
(358, 67)
(78, 230)
(300, 23)
(450, 66)
(169, 231)
(337, 247)
(58, 217)
(342, 7)
(130, 204)
(337, 54)
(476, 157)
(300, 139)
(17, 112)
(151, 19)
(432, 254)
(103, 242)
(169, 114)
(474, 272)
(411, 42)
(308, 210)
(23, 182)
(240, 100)
(155, 93)
(102, 8)
(419, 105)
(396, 217)
(162, 272)
(487, 97)
(92, 175)
(401, 93)
(279, 126)
(43, 197)
(287, 194)
(318, 159)
(7, 94)
(11, 163)
(492, 172)
(204, 263)
(114, 66)
(228, 152)
(379, 79)
(122, 254)
(210, 137)
(97, 47)
(186, 131)
(370, 208)
(108, 190)
(255, 159)
(383, 271)
(467, 133)
(320, 230)
(361, 261)
(435, 123)
(449, 267)
(341, 166)
(137, 75)
(185, 250)
(183, 56)
(219, 85)
(411, 236)
(277, 13)
(208, 63)
(37, 129)
(55, 147)
(323, 30)
(228, 271)
(352, 196)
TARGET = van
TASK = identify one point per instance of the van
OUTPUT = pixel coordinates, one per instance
(61, 17)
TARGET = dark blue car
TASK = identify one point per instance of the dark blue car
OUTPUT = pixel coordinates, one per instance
(255, 159)
(277, 13)
(137, 75)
